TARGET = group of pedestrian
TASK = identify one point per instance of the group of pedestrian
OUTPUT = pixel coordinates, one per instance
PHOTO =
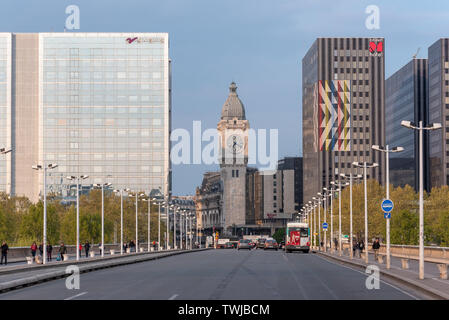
(131, 246)
(358, 247)
(34, 249)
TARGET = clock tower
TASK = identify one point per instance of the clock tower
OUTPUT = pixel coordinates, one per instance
(233, 138)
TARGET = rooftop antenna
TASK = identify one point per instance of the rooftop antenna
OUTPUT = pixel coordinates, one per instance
(416, 54)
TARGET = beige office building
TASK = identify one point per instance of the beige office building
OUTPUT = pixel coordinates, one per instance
(96, 104)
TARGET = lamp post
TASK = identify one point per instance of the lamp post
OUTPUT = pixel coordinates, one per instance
(77, 178)
(137, 195)
(121, 216)
(331, 192)
(148, 200)
(421, 128)
(102, 213)
(387, 152)
(186, 214)
(365, 165)
(181, 213)
(324, 218)
(41, 167)
(319, 219)
(350, 176)
(338, 183)
(158, 202)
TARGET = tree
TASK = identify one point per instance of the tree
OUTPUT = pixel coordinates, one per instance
(279, 235)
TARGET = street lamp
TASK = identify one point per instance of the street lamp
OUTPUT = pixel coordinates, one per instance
(137, 195)
(365, 165)
(320, 196)
(350, 176)
(315, 199)
(338, 182)
(387, 152)
(331, 194)
(41, 167)
(77, 179)
(421, 128)
(158, 202)
(148, 222)
(121, 216)
(102, 213)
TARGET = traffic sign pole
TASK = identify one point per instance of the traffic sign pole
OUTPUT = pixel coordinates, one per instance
(388, 197)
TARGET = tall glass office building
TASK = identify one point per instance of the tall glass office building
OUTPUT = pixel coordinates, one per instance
(102, 104)
(406, 99)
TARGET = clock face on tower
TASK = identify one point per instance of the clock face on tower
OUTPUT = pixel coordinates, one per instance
(235, 143)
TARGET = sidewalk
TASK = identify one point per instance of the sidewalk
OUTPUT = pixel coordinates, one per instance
(431, 284)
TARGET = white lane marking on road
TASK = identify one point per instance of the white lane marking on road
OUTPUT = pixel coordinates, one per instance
(173, 297)
(404, 292)
(76, 296)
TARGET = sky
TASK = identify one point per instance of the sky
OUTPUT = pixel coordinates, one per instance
(259, 44)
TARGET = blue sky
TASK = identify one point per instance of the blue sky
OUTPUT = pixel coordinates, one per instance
(258, 44)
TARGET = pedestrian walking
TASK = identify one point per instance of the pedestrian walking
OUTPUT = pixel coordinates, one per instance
(41, 249)
(125, 247)
(87, 248)
(356, 248)
(376, 247)
(5, 249)
(49, 251)
(132, 246)
(100, 246)
(33, 250)
(80, 248)
(361, 247)
(62, 250)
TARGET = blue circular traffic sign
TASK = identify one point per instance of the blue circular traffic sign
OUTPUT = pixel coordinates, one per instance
(325, 225)
(387, 205)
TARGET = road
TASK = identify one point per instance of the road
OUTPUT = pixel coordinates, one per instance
(225, 274)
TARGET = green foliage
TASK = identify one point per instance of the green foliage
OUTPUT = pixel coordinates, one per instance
(404, 228)
(279, 235)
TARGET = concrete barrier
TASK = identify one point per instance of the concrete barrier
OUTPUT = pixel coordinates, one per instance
(442, 267)
(405, 264)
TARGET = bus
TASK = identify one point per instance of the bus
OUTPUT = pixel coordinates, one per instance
(297, 237)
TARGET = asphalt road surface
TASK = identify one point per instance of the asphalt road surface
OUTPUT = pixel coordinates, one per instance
(225, 274)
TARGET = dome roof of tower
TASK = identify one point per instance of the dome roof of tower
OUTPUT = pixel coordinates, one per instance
(233, 106)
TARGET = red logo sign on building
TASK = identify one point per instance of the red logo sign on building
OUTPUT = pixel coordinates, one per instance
(376, 47)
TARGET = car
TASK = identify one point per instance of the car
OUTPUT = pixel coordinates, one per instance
(244, 244)
(281, 244)
(260, 243)
(234, 244)
(229, 245)
(271, 244)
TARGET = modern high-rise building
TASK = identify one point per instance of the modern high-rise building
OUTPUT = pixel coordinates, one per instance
(406, 99)
(295, 164)
(96, 104)
(438, 60)
(343, 105)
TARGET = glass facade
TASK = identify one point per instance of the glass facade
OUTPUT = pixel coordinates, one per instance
(5, 108)
(438, 109)
(104, 109)
(406, 99)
